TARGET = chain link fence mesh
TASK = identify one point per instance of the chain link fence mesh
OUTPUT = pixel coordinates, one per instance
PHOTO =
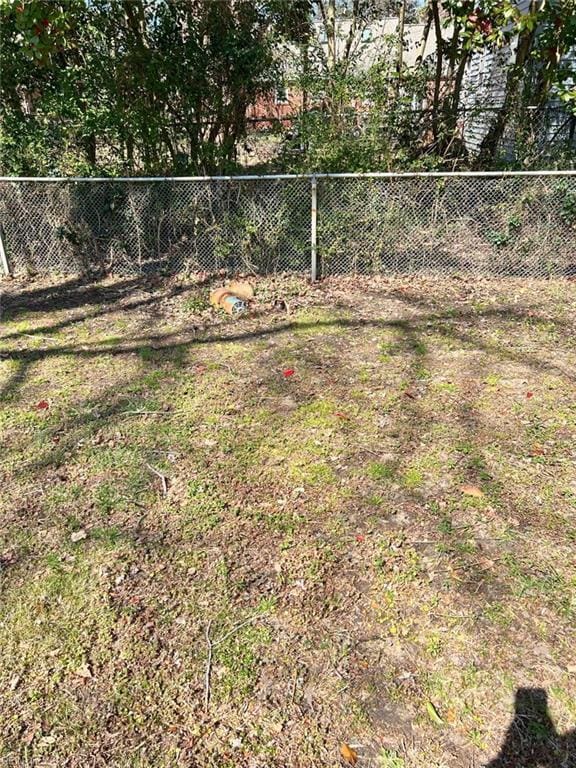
(126, 227)
(480, 225)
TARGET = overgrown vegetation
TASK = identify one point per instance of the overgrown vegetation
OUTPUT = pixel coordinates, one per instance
(372, 112)
(158, 87)
(134, 86)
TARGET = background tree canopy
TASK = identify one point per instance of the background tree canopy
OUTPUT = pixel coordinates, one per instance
(163, 86)
(159, 86)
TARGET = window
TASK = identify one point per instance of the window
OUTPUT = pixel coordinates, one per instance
(281, 96)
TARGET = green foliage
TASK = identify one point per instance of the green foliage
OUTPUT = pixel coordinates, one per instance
(390, 116)
(93, 87)
(379, 471)
(568, 209)
(360, 119)
(146, 86)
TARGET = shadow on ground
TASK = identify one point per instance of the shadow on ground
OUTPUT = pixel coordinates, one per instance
(531, 739)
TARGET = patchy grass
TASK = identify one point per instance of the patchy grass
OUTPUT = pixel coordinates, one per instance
(205, 562)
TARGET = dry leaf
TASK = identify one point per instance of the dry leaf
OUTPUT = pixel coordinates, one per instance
(78, 535)
(451, 716)
(349, 754)
(472, 490)
(84, 672)
(30, 733)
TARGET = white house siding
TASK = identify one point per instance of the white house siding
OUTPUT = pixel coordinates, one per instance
(484, 90)
(376, 41)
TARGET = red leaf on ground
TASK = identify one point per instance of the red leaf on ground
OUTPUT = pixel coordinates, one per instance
(42, 405)
(288, 372)
(359, 537)
(529, 395)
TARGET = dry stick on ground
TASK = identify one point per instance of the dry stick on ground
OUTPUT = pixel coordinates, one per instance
(38, 336)
(238, 626)
(152, 413)
(208, 671)
(161, 476)
(211, 645)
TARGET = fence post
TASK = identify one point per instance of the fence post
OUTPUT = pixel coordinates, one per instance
(313, 229)
(3, 260)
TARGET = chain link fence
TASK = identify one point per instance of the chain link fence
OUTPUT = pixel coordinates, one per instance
(164, 226)
(480, 224)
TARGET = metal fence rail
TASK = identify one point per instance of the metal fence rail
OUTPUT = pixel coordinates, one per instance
(470, 223)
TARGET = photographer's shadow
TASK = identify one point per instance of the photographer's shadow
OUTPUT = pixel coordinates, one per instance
(532, 740)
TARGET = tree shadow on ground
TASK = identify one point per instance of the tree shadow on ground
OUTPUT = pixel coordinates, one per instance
(81, 291)
(531, 740)
(178, 338)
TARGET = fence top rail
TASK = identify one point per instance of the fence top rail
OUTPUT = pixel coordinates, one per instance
(271, 177)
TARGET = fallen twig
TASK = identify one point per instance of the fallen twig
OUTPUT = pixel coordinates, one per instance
(238, 626)
(208, 670)
(211, 644)
(38, 336)
(161, 476)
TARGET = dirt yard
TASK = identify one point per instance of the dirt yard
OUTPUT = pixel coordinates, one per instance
(337, 532)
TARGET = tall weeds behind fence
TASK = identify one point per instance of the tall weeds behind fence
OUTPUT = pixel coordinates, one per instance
(481, 224)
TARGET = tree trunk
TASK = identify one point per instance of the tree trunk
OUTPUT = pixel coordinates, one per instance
(331, 34)
(491, 141)
(438, 75)
(458, 83)
(90, 148)
(351, 32)
(424, 38)
(305, 68)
